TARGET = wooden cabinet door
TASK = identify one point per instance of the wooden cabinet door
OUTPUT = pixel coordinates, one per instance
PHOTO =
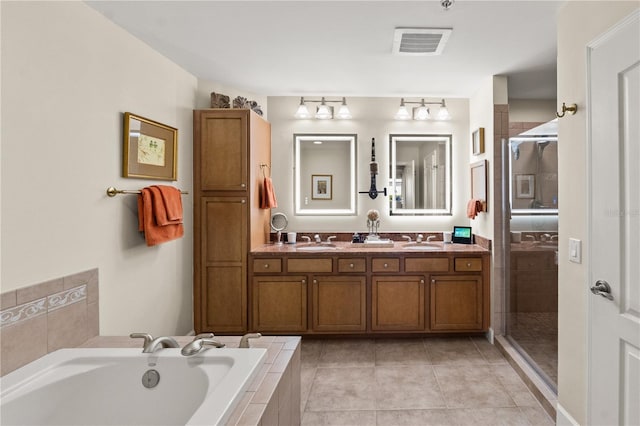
(397, 303)
(279, 303)
(339, 303)
(221, 290)
(456, 302)
(221, 149)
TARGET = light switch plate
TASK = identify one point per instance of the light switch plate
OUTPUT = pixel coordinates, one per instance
(575, 250)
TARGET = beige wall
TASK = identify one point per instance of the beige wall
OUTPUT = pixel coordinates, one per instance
(578, 24)
(64, 89)
(372, 118)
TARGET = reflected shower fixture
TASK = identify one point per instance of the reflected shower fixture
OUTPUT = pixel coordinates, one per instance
(421, 112)
(323, 111)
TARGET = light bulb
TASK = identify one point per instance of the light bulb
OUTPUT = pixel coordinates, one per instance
(303, 111)
(343, 112)
(443, 114)
(403, 113)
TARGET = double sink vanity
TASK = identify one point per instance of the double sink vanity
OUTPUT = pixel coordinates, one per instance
(353, 288)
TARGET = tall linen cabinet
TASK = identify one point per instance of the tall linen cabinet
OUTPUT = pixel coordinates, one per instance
(230, 147)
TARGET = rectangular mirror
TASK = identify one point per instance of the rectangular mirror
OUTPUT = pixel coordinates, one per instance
(533, 168)
(325, 174)
(420, 174)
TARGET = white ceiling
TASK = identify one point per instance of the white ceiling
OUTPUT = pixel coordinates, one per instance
(343, 48)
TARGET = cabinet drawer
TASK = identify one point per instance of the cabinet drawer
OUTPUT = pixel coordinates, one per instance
(352, 265)
(426, 264)
(267, 265)
(464, 264)
(531, 262)
(310, 265)
(385, 265)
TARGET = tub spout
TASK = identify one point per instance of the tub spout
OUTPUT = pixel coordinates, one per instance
(160, 342)
(199, 345)
(244, 342)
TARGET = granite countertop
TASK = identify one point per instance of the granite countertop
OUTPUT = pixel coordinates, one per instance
(531, 246)
(351, 248)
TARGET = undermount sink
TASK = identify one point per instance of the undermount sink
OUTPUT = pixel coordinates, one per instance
(316, 247)
(422, 246)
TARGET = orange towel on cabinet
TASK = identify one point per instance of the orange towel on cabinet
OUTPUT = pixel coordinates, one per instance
(268, 195)
(150, 207)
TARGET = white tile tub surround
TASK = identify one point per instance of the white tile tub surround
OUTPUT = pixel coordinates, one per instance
(38, 319)
(273, 396)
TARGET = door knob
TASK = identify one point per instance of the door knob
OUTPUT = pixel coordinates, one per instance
(603, 289)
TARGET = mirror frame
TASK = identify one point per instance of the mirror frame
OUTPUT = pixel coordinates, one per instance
(393, 141)
(352, 140)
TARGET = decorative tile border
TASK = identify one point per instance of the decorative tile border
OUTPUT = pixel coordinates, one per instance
(23, 312)
(67, 297)
(17, 314)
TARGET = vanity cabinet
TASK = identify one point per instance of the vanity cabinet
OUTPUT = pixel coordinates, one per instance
(280, 303)
(229, 145)
(456, 302)
(338, 303)
(369, 293)
(397, 303)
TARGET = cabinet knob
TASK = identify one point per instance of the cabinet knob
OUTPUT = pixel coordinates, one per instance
(243, 185)
(351, 265)
(315, 281)
(468, 264)
(433, 281)
(304, 281)
(421, 281)
(386, 265)
(243, 201)
(266, 266)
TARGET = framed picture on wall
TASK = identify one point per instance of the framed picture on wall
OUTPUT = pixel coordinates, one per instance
(477, 141)
(321, 187)
(525, 186)
(150, 149)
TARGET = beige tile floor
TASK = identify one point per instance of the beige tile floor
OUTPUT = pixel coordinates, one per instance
(415, 381)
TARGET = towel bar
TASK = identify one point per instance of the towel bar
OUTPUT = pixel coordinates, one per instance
(112, 192)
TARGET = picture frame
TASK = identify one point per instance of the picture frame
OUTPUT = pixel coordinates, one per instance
(321, 187)
(479, 183)
(150, 149)
(477, 141)
(525, 186)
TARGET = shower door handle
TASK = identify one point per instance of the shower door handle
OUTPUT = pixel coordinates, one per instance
(603, 289)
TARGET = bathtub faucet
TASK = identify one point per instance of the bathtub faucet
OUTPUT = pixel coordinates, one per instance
(160, 342)
(200, 344)
(244, 341)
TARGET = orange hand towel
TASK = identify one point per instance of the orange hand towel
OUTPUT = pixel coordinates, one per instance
(268, 195)
(153, 233)
(167, 205)
(473, 208)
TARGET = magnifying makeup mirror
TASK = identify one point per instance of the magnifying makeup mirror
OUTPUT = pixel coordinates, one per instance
(279, 222)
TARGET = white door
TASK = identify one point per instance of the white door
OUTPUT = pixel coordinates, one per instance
(614, 164)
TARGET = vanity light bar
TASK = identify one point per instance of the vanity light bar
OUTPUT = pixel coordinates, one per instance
(421, 112)
(323, 111)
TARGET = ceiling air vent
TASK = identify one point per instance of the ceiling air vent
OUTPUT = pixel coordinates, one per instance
(420, 41)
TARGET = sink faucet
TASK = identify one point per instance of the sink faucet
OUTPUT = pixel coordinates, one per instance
(331, 238)
(244, 341)
(160, 342)
(199, 344)
(317, 238)
(530, 237)
(406, 237)
(419, 238)
(306, 238)
(554, 237)
(545, 237)
(430, 238)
